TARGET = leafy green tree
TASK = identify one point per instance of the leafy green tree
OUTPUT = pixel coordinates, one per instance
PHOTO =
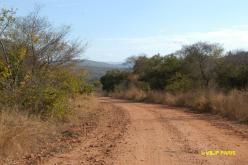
(200, 65)
(112, 79)
(200, 61)
(157, 70)
(231, 76)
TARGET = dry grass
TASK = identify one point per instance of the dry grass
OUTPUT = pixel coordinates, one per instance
(21, 134)
(233, 105)
(131, 94)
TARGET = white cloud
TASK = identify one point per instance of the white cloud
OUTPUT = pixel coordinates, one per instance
(229, 38)
(232, 38)
(119, 49)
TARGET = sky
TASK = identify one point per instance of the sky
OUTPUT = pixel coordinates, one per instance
(117, 29)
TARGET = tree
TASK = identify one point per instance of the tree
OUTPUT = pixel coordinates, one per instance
(35, 65)
(31, 44)
(130, 61)
(200, 61)
(112, 79)
(232, 71)
(157, 70)
(6, 19)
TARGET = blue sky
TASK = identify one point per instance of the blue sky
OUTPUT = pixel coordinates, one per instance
(116, 29)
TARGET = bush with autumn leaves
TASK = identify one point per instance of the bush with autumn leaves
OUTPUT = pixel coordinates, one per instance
(37, 72)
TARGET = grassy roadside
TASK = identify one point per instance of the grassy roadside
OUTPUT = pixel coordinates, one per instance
(28, 139)
(233, 105)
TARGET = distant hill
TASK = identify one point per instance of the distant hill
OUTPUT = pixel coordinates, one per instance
(97, 69)
(90, 63)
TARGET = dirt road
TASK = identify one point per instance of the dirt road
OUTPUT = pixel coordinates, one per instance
(159, 135)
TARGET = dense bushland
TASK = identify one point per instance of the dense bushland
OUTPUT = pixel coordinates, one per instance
(36, 65)
(200, 76)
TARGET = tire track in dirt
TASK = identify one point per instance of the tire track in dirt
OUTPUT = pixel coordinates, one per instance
(165, 135)
(157, 135)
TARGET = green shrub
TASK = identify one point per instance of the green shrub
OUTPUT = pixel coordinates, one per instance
(112, 79)
(46, 93)
(231, 76)
(44, 100)
(86, 89)
(178, 83)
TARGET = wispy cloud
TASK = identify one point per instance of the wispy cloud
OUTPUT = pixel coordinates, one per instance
(230, 38)
(120, 48)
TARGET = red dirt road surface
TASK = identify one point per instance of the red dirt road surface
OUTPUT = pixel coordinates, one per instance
(161, 135)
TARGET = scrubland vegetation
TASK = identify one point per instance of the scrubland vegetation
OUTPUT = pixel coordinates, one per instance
(200, 76)
(43, 96)
(38, 83)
